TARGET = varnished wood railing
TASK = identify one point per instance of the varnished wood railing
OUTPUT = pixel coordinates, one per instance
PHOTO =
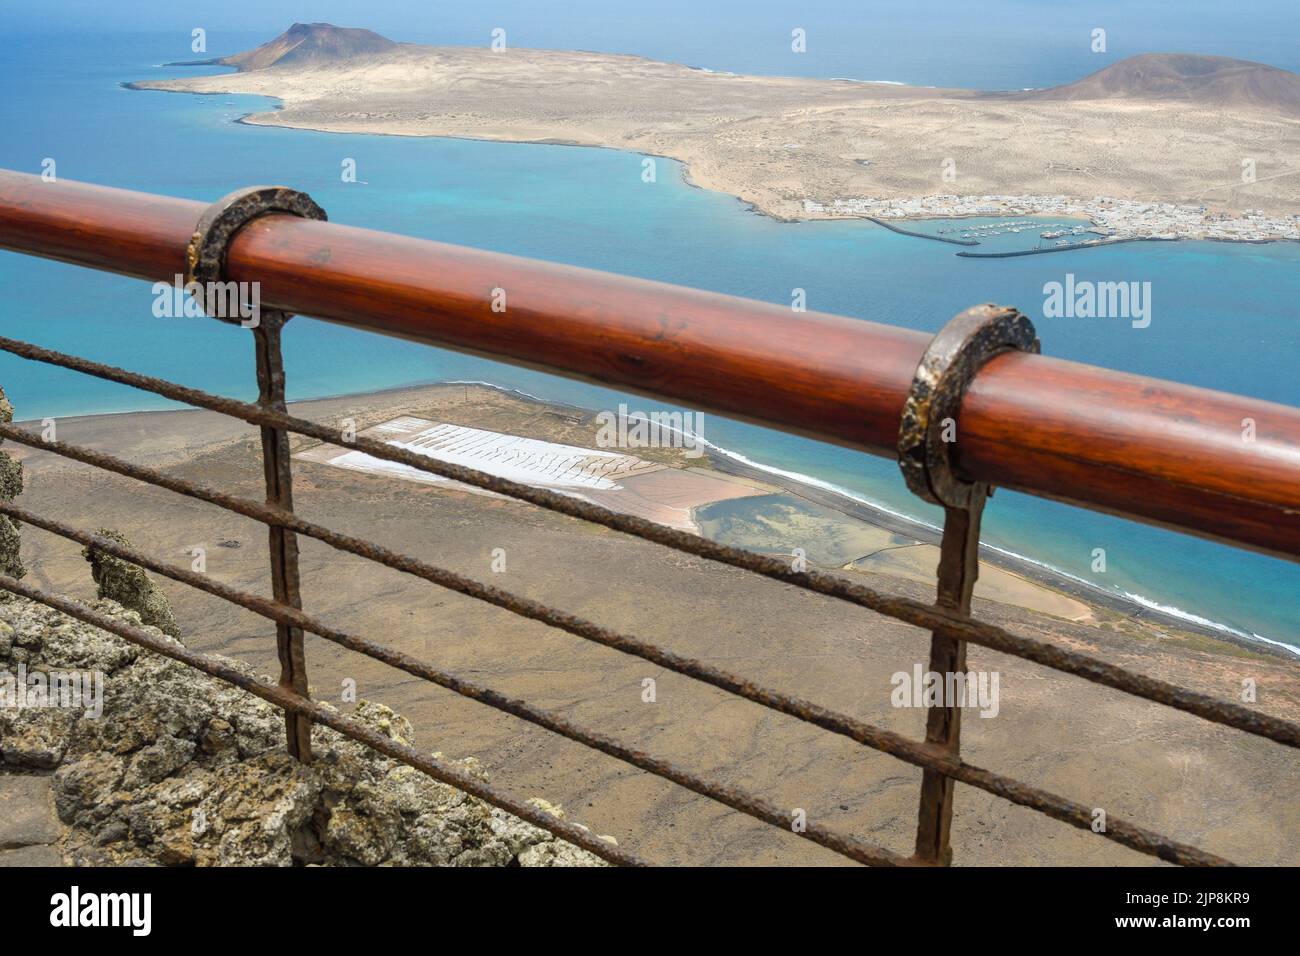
(1150, 450)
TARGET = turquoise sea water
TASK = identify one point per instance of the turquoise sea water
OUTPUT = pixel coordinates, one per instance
(1224, 316)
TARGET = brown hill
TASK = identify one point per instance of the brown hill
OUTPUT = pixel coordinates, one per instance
(308, 44)
(1191, 78)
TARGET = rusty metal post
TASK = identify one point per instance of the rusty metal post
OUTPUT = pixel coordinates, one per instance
(958, 569)
(283, 543)
(205, 269)
(925, 438)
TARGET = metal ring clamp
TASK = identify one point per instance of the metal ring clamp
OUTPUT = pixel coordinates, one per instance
(954, 356)
(205, 257)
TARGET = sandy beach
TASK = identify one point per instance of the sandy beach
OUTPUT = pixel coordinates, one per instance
(1141, 164)
(1202, 783)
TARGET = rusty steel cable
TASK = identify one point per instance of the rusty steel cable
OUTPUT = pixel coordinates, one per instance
(318, 713)
(281, 613)
(919, 754)
(906, 610)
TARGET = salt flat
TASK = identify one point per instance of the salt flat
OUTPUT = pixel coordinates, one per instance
(621, 482)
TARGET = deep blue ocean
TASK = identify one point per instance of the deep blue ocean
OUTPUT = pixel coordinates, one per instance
(1225, 316)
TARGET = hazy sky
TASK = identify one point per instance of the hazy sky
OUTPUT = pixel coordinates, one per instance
(742, 35)
(428, 17)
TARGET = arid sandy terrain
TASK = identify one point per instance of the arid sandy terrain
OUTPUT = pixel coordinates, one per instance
(1202, 783)
(794, 147)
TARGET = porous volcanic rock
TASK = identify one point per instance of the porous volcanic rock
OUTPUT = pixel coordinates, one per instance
(182, 769)
(128, 585)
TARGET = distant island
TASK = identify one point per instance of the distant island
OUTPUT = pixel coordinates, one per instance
(303, 44)
(1166, 146)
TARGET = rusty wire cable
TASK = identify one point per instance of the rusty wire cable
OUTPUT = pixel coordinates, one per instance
(733, 797)
(319, 713)
(916, 753)
(909, 611)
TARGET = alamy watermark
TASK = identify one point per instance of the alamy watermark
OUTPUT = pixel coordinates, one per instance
(1085, 299)
(977, 689)
(66, 690)
(75, 908)
(636, 429)
(236, 301)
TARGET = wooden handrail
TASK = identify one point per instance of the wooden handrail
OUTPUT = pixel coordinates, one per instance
(1142, 448)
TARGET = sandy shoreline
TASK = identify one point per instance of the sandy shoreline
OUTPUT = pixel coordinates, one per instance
(798, 148)
(1008, 563)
